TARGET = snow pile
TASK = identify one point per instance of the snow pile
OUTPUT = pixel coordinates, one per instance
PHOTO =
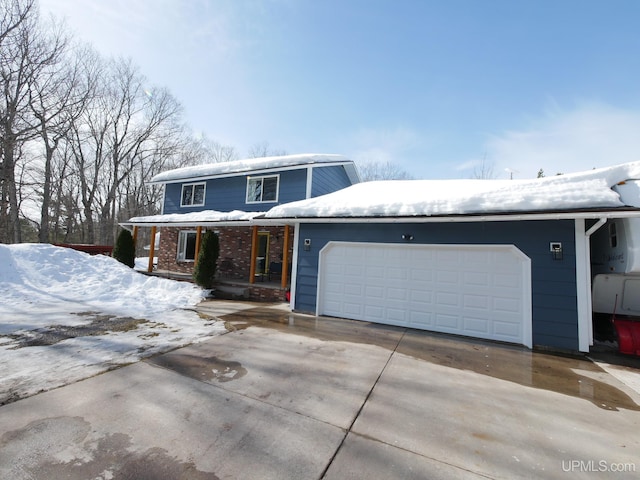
(590, 189)
(197, 217)
(46, 278)
(248, 165)
(66, 315)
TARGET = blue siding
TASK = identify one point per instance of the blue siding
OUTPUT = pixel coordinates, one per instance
(229, 193)
(328, 179)
(554, 298)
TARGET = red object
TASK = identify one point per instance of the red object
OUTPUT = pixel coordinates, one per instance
(628, 336)
(90, 249)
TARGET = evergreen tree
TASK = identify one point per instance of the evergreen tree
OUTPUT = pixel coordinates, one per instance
(124, 250)
(205, 269)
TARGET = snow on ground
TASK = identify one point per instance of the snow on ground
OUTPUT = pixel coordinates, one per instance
(590, 189)
(66, 315)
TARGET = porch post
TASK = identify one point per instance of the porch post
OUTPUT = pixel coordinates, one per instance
(254, 252)
(135, 236)
(198, 240)
(285, 258)
(152, 249)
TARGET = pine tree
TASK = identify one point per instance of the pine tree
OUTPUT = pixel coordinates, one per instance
(205, 269)
(125, 251)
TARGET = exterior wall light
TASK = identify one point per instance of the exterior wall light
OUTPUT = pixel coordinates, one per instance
(556, 250)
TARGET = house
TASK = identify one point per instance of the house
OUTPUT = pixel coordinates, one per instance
(504, 260)
(227, 197)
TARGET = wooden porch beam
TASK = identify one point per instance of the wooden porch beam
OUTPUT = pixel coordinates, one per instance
(285, 258)
(152, 249)
(198, 241)
(254, 252)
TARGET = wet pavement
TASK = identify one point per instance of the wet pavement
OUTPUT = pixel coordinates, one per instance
(285, 395)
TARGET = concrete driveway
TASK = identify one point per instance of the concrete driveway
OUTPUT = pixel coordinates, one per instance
(287, 396)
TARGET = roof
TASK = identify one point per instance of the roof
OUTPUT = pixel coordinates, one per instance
(254, 165)
(591, 194)
(427, 198)
(205, 217)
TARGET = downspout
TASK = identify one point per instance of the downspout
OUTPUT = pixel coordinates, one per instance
(583, 277)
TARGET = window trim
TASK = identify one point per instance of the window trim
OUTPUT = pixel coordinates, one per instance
(193, 187)
(181, 253)
(262, 177)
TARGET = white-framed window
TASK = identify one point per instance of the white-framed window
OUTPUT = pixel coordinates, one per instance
(192, 195)
(262, 189)
(186, 246)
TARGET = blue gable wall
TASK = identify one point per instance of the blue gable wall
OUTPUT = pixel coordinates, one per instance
(328, 179)
(229, 193)
(554, 299)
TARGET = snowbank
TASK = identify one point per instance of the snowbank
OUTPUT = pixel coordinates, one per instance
(589, 189)
(43, 279)
(66, 315)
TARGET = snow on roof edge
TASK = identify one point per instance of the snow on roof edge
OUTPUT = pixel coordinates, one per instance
(246, 165)
(412, 198)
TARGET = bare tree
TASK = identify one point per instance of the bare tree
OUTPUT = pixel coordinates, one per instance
(127, 128)
(484, 171)
(262, 149)
(62, 95)
(26, 51)
(370, 171)
(217, 152)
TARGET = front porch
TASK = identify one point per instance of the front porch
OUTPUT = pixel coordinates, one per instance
(264, 290)
(254, 262)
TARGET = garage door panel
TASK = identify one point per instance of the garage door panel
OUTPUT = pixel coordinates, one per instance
(476, 290)
(479, 326)
(476, 278)
(448, 299)
(476, 301)
(447, 276)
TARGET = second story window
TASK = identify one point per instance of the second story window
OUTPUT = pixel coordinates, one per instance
(262, 189)
(192, 195)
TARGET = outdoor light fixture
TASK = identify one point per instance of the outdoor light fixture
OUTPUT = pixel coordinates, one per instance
(407, 237)
(307, 244)
(556, 250)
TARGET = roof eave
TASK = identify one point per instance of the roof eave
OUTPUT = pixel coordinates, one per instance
(459, 218)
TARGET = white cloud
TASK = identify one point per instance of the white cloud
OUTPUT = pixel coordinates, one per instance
(393, 145)
(590, 136)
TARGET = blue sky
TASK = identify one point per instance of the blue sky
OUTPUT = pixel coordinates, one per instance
(436, 87)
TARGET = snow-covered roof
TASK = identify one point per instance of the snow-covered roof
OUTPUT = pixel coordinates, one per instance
(407, 198)
(195, 218)
(247, 165)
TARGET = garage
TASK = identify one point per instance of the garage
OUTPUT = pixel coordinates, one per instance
(481, 291)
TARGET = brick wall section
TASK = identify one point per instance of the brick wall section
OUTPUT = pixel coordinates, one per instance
(265, 294)
(234, 261)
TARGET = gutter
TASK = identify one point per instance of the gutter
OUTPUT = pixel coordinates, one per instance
(601, 216)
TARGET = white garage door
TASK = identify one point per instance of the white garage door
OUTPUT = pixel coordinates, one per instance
(481, 291)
